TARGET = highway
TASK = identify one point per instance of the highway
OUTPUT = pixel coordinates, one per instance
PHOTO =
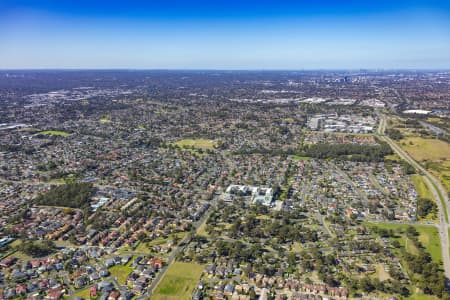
(437, 190)
(436, 130)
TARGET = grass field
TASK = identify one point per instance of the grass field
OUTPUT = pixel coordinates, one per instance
(298, 158)
(381, 273)
(22, 256)
(443, 123)
(83, 293)
(428, 236)
(297, 247)
(421, 187)
(121, 272)
(161, 240)
(441, 170)
(421, 297)
(197, 143)
(433, 154)
(201, 230)
(424, 192)
(53, 133)
(393, 157)
(105, 119)
(14, 251)
(146, 247)
(178, 282)
(422, 149)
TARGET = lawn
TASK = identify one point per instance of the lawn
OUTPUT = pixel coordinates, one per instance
(201, 230)
(421, 187)
(428, 236)
(297, 247)
(381, 273)
(433, 154)
(83, 293)
(197, 143)
(393, 157)
(441, 170)
(440, 122)
(424, 192)
(298, 158)
(15, 251)
(53, 133)
(121, 272)
(20, 255)
(178, 282)
(162, 240)
(143, 247)
(146, 247)
(421, 297)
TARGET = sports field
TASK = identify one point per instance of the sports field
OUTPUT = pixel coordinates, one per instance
(178, 282)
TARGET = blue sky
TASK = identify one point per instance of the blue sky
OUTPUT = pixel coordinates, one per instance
(224, 34)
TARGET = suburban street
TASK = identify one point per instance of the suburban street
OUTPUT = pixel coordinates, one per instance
(177, 250)
(435, 187)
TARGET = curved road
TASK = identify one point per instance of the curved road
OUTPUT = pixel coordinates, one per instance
(437, 190)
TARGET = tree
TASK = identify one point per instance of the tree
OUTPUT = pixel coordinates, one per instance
(74, 194)
(38, 249)
(411, 231)
(425, 206)
(176, 239)
(366, 285)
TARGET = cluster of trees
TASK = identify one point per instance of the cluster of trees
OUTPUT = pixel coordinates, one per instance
(284, 230)
(245, 150)
(72, 194)
(347, 151)
(384, 233)
(432, 281)
(149, 142)
(389, 286)
(365, 245)
(51, 165)
(425, 206)
(315, 260)
(430, 276)
(102, 220)
(238, 250)
(394, 134)
(407, 168)
(38, 249)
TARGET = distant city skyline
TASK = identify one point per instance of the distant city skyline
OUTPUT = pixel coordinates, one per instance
(233, 35)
